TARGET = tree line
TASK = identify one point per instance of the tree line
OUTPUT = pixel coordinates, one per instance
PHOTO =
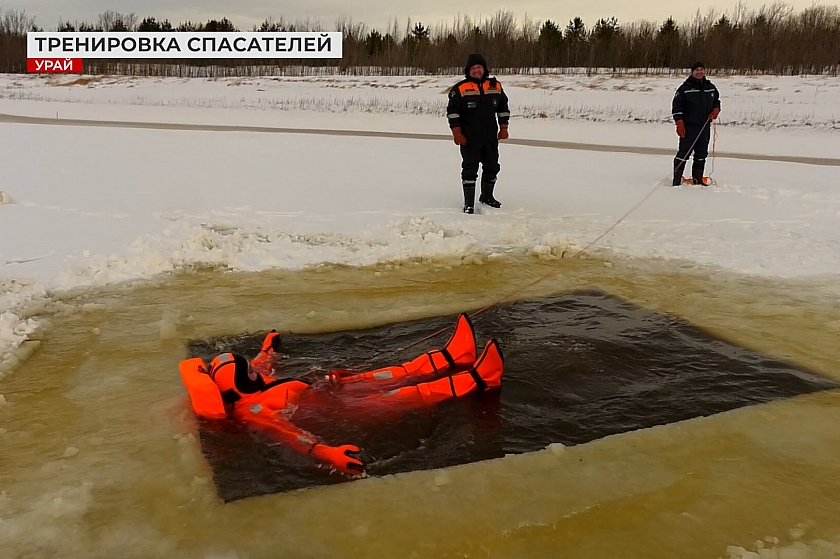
(773, 39)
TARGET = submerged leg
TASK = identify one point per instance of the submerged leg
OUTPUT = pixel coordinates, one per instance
(484, 375)
(459, 351)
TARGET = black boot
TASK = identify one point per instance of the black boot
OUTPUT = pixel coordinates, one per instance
(697, 173)
(678, 174)
(469, 197)
(487, 195)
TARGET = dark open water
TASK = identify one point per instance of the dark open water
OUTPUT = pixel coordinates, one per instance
(578, 367)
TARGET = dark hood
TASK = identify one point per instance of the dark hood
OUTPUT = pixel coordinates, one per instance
(472, 60)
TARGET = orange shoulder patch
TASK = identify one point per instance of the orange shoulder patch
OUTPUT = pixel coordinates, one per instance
(467, 87)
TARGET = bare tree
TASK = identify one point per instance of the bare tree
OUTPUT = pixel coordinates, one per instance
(350, 29)
(115, 21)
(16, 23)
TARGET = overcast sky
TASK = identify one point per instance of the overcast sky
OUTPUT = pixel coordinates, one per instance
(374, 13)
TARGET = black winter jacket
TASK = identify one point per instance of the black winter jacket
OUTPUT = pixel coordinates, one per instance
(694, 100)
(475, 106)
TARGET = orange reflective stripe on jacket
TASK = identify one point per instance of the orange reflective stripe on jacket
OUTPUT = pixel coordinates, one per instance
(472, 88)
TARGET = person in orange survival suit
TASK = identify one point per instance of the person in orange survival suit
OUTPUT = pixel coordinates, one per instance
(233, 387)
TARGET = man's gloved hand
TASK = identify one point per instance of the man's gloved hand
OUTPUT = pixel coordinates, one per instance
(459, 137)
(714, 114)
(503, 132)
(680, 129)
(341, 457)
(271, 342)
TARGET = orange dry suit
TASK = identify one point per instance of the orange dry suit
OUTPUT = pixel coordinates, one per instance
(231, 382)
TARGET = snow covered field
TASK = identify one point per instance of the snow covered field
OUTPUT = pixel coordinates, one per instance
(92, 206)
(766, 102)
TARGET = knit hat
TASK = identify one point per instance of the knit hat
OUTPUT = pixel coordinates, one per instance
(474, 59)
(697, 65)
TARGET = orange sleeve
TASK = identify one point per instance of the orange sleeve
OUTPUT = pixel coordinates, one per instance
(275, 426)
